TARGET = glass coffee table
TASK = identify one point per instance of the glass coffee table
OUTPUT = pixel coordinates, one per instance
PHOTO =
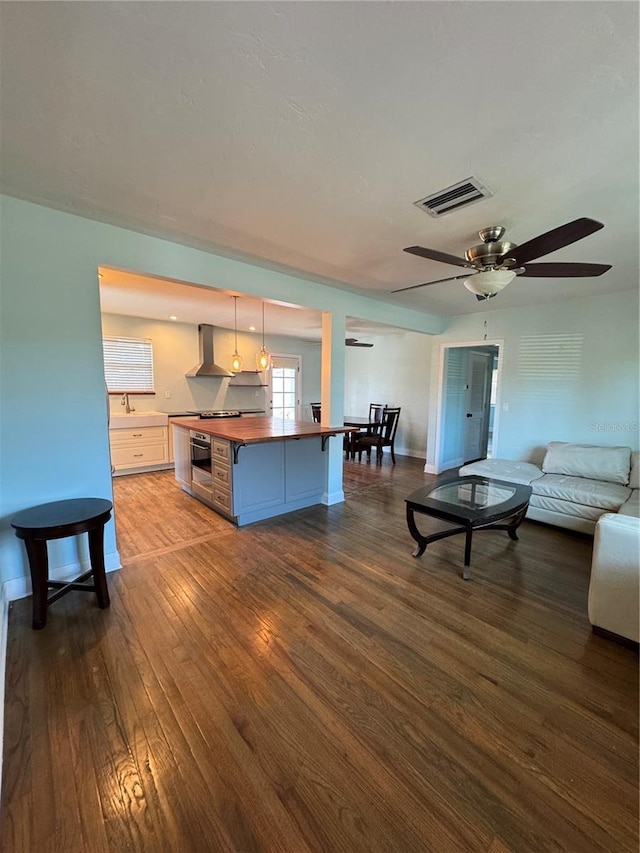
(472, 503)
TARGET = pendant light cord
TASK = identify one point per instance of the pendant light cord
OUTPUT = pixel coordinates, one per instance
(235, 321)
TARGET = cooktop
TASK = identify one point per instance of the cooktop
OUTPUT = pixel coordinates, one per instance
(231, 413)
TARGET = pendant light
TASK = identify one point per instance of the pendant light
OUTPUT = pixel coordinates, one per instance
(263, 358)
(235, 364)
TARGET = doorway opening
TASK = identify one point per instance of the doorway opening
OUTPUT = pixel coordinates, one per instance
(467, 424)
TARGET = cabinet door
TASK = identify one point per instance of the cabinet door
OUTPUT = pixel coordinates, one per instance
(258, 478)
(182, 454)
(172, 455)
(139, 455)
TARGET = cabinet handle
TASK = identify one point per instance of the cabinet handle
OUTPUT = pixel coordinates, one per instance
(138, 454)
(137, 435)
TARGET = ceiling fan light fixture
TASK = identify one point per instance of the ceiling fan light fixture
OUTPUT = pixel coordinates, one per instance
(489, 282)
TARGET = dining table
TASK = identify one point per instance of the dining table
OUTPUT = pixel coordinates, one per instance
(354, 421)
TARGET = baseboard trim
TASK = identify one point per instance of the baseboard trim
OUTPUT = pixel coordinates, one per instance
(328, 499)
(17, 588)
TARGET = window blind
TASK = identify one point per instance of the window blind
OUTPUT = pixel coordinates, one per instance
(128, 365)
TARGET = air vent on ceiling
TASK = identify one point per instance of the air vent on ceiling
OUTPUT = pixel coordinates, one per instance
(452, 198)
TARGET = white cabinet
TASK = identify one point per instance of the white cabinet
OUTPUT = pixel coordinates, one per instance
(143, 448)
(171, 433)
(182, 455)
(222, 476)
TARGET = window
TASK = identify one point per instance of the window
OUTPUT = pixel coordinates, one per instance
(128, 365)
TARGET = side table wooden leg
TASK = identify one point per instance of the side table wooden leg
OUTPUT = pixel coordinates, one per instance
(96, 555)
(39, 569)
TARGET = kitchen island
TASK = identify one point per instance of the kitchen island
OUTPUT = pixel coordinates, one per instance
(249, 470)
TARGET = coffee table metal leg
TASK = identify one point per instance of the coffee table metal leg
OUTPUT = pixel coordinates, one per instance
(466, 571)
(415, 533)
(517, 521)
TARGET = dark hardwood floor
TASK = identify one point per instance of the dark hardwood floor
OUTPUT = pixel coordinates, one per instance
(304, 684)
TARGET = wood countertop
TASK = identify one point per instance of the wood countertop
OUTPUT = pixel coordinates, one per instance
(255, 430)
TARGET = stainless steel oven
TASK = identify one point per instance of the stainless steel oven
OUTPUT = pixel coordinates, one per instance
(200, 448)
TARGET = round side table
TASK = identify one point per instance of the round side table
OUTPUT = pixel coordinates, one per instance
(58, 520)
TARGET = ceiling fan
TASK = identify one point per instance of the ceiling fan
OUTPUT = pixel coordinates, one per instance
(496, 262)
(348, 342)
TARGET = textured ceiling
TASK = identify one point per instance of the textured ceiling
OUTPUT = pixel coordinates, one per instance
(302, 133)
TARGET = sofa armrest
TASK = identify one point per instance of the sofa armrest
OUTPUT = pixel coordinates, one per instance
(614, 588)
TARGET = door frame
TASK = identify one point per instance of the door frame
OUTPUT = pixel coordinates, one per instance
(436, 466)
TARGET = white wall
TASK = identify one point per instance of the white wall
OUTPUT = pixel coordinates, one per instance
(175, 350)
(586, 390)
(395, 372)
(592, 398)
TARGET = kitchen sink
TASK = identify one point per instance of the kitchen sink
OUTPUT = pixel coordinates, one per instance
(137, 419)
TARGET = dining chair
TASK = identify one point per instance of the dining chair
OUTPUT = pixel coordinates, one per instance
(316, 412)
(385, 437)
(375, 417)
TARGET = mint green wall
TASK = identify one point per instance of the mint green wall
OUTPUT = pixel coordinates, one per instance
(588, 394)
(53, 426)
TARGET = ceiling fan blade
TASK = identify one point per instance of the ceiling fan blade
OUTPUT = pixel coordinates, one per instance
(555, 239)
(427, 283)
(354, 342)
(433, 255)
(564, 270)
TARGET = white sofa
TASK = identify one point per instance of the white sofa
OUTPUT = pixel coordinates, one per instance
(590, 489)
(614, 587)
(576, 484)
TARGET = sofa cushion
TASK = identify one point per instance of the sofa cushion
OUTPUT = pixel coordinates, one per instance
(632, 505)
(522, 473)
(589, 461)
(634, 476)
(580, 490)
(567, 508)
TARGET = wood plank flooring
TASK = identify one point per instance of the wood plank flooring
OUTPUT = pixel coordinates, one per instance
(305, 684)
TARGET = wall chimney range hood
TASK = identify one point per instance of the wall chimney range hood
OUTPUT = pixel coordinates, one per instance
(207, 366)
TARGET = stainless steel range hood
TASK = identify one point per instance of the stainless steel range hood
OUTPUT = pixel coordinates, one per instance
(207, 366)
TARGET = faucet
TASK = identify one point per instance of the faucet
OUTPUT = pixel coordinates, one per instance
(127, 406)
